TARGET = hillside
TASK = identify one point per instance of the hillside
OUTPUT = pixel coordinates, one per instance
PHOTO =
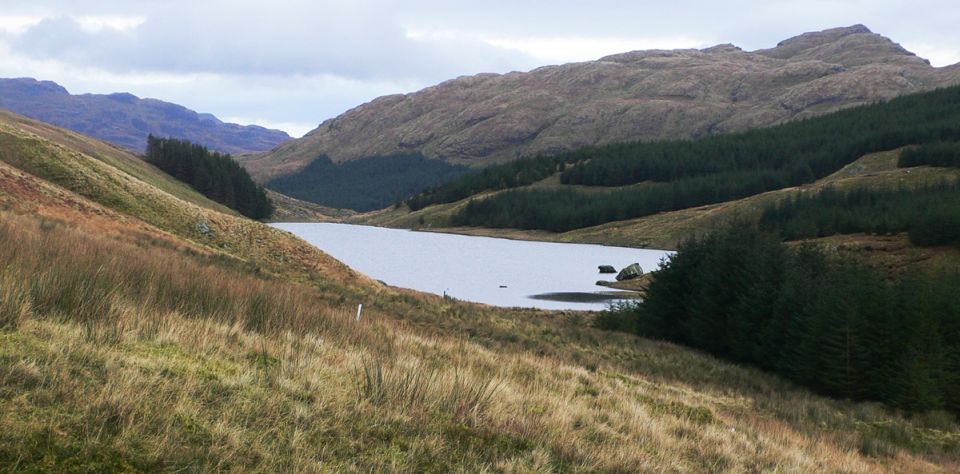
(641, 95)
(290, 209)
(658, 193)
(132, 338)
(666, 230)
(126, 120)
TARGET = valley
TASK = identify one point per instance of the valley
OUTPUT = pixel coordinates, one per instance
(413, 286)
(181, 347)
(667, 229)
(489, 119)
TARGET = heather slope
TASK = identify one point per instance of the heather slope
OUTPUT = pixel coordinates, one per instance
(641, 95)
(86, 179)
(44, 148)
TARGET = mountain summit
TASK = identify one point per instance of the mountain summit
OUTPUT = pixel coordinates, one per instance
(639, 95)
(126, 120)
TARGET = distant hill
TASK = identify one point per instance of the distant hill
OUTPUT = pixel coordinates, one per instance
(126, 120)
(655, 194)
(641, 95)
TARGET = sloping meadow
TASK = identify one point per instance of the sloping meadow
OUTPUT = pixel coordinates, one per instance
(115, 356)
(131, 340)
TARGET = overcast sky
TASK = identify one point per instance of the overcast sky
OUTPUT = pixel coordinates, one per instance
(291, 64)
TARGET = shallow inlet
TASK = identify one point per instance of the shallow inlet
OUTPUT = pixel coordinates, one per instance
(500, 272)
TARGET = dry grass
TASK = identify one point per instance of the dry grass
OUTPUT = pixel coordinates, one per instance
(54, 151)
(129, 343)
(39, 177)
(115, 356)
(290, 209)
(894, 254)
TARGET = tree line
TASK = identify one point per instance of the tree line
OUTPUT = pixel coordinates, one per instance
(930, 214)
(822, 145)
(503, 176)
(831, 324)
(563, 209)
(213, 174)
(365, 184)
(673, 174)
(939, 154)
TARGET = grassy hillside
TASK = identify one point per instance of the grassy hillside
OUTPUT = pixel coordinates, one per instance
(290, 209)
(23, 136)
(645, 178)
(131, 341)
(667, 229)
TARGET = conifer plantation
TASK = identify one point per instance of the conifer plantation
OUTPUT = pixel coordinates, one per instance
(368, 184)
(504, 176)
(213, 174)
(930, 214)
(940, 154)
(646, 178)
(834, 325)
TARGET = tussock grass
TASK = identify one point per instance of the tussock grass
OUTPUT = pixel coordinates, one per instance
(39, 143)
(15, 304)
(461, 399)
(130, 357)
(131, 341)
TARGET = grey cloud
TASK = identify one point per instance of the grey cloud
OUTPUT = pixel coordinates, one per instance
(751, 24)
(358, 43)
(275, 60)
(366, 39)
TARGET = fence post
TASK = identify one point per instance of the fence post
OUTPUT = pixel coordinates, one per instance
(359, 309)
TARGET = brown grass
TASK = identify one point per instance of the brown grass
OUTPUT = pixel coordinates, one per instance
(120, 356)
(128, 345)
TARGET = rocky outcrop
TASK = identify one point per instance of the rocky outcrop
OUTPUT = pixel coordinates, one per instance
(607, 269)
(288, 209)
(126, 120)
(639, 95)
(630, 272)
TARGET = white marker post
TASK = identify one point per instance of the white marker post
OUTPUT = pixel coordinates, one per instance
(359, 309)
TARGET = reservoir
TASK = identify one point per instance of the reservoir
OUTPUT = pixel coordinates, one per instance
(500, 272)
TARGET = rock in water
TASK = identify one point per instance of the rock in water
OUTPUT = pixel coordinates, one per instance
(607, 269)
(631, 272)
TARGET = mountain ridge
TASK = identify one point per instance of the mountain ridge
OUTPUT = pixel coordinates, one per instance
(126, 120)
(639, 95)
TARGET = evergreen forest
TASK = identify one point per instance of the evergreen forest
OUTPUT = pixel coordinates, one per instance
(213, 174)
(929, 214)
(366, 184)
(646, 178)
(939, 154)
(831, 324)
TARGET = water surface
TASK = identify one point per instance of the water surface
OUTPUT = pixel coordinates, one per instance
(487, 270)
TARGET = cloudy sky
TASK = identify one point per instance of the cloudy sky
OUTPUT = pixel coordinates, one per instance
(291, 64)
